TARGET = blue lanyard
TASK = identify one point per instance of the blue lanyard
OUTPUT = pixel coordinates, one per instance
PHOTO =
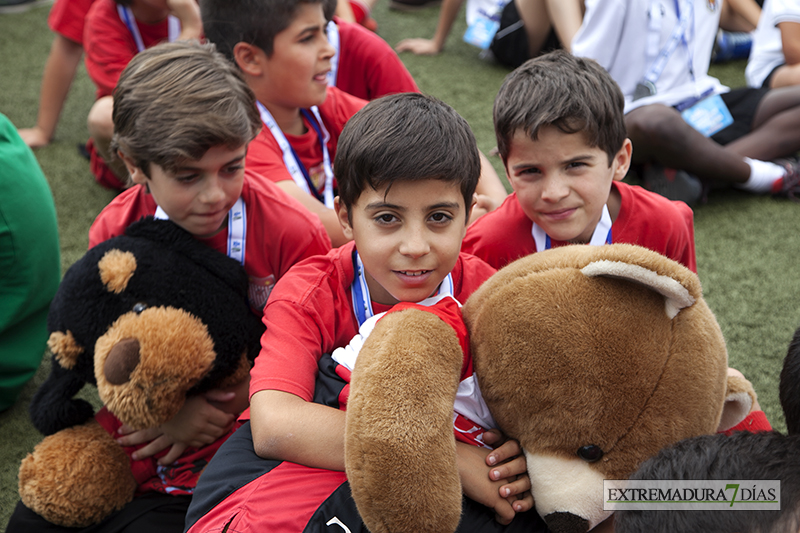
(333, 38)
(678, 35)
(311, 187)
(125, 13)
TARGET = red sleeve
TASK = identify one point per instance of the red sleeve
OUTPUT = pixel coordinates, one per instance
(469, 273)
(264, 157)
(67, 17)
(309, 313)
(368, 67)
(121, 212)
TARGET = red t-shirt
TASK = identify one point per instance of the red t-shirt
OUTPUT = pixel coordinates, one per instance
(368, 67)
(645, 218)
(280, 231)
(67, 18)
(310, 313)
(265, 157)
(110, 46)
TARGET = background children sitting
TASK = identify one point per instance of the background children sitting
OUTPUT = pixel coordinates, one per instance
(773, 59)
(183, 118)
(406, 189)
(762, 125)
(561, 134)
(284, 54)
(117, 30)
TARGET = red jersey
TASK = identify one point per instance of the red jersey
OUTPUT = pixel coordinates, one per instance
(265, 157)
(311, 313)
(67, 18)
(368, 67)
(110, 46)
(280, 232)
(645, 218)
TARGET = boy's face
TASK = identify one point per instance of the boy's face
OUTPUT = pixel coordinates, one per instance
(561, 182)
(296, 74)
(408, 239)
(200, 193)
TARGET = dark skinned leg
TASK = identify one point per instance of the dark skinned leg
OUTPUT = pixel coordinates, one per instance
(776, 127)
(660, 134)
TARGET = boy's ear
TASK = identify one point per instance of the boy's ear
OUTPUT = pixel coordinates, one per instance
(344, 218)
(623, 160)
(248, 58)
(137, 174)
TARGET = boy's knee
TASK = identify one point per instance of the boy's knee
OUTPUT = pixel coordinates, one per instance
(656, 124)
(99, 120)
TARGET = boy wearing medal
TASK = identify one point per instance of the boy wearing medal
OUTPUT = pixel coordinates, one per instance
(114, 32)
(565, 152)
(677, 116)
(199, 181)
(406, 191)
(284, 54)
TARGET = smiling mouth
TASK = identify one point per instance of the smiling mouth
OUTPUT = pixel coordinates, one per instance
(413, 273)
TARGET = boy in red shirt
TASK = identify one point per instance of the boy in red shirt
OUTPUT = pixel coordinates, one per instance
(284, 54)
(561, 134)
(406, 191)
(115, 31)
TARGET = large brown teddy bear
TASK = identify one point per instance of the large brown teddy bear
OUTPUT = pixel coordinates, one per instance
(150, 317)
(593, 358)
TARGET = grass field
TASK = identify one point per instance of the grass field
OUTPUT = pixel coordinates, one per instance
(748, 247)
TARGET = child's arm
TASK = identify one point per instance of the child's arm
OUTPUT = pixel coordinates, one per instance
(188, 12)
(790, 41)
(447, 16)
(59, 71)
(288, 428)
(326, 216)
(490, 191)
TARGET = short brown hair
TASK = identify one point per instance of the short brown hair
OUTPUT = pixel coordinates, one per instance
(256, 22)
(176, 100)
(558, 89)
(405, 137)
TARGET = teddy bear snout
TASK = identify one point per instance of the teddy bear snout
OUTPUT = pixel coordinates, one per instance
(122, 361)
(566, 523)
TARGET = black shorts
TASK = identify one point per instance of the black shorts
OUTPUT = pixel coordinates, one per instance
(510, 43)
(768, 79)
(742, 103)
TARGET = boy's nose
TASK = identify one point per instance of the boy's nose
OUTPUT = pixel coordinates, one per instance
(554, 189)
(328, 50)
(415, 244)
(214, 192)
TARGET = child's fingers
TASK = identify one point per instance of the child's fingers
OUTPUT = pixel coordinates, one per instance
(523, 502)
(133, 438)
(172, 455)
(504, 512)
(508, 450)
(510, 469)
(516, 488)
(151, 449)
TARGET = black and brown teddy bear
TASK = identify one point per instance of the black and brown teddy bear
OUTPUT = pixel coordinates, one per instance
(150, 317)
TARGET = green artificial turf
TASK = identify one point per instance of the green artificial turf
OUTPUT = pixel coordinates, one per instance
(747, 246)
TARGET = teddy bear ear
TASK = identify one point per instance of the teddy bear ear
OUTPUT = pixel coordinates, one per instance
(65, 348)
(116, 269)
(676, 296)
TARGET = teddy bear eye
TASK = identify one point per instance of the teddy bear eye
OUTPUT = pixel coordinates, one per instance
(590, 453)
(138, 307)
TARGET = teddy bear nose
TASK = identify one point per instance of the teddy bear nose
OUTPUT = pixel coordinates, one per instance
(566, 523)
(121, 361)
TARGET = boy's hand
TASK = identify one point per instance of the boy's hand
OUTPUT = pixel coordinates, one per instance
(188, 12)
(197, 424)
(478, 485)
(420, 47)
(509, 464)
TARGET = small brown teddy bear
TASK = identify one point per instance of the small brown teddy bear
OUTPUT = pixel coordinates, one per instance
(593, 358)
(150, 317)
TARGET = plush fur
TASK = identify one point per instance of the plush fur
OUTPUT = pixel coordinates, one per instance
(611, 348)
(150, 317)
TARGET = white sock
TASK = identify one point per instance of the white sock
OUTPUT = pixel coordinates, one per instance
(763, 175)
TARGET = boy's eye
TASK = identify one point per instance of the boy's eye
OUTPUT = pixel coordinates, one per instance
(233, 169)
(441, 217)
(386, 218)
(186, 178)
